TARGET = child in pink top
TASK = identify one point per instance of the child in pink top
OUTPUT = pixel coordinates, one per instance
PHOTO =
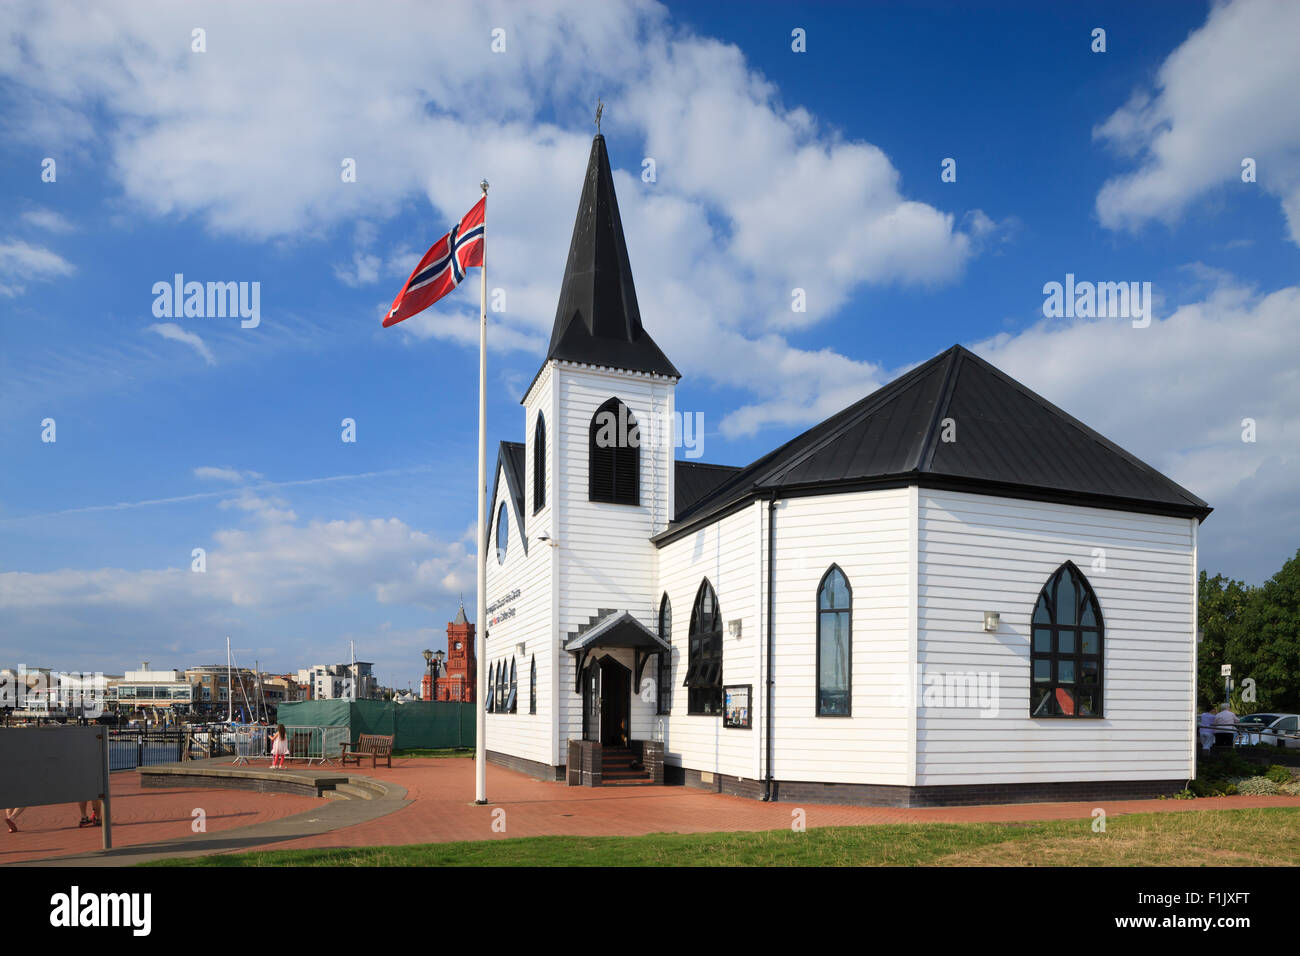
(279, 748)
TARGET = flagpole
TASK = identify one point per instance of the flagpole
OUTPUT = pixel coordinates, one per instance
(480, 649)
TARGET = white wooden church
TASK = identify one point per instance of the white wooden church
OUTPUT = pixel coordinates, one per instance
(949, 592)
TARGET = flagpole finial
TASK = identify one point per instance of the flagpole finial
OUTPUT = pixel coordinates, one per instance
(483, 185)
(600, 108)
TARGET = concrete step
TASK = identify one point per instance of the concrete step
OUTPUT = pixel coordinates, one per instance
(355, 792)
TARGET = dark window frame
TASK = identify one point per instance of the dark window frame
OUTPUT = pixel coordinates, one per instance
(614, 472)
(704, 673)
(539, 463)
(512, 695)
(664, 700)
(820, 611)
(532, 685)
(1082, 596)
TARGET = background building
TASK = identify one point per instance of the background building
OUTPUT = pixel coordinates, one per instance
(457, 683)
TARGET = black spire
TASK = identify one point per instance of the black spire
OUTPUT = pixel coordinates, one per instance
(598, 321)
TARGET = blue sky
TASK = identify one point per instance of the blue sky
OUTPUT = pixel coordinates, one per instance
(774, 169)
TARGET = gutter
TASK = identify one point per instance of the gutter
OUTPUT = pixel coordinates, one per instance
(771, 641)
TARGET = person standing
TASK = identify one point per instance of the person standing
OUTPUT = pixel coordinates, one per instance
(1225, 726)
(279, 748)
(93, 819)
(1207, 730)
(11, 816)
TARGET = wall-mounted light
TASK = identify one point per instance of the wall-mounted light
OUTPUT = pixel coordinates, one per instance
(990, 621)
(519, 649)
(733, 628)
(546, 539)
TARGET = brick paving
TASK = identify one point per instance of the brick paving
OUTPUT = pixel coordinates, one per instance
(442, 809)
(441, 792)
(142, 816)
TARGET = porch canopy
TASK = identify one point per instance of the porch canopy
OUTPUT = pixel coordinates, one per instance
(617, 629)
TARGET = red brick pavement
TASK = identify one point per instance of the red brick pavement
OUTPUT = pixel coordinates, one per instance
(442, 809)
(142, 816)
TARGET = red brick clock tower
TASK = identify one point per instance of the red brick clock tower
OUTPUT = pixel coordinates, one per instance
(458, 682)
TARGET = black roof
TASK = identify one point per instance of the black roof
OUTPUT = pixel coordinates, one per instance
(1009, 441)
(695, 479)
(598, 321)
(510, 459)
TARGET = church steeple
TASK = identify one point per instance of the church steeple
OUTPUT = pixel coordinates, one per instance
(598, 321)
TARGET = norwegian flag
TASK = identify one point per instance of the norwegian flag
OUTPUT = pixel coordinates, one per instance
(443, 266)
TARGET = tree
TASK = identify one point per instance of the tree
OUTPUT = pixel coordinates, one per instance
(1257, 631)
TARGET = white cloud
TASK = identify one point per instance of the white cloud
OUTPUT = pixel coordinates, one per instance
(277, 566)
(233, 475)
(1175, 395)
(1227, 93)
(23, 262)
(47, 219)
(170, 330)
(718, 241)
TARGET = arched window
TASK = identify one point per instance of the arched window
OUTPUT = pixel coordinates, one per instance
(503, 533)
(834, 645)
(1065, 652)
(704, 664)
(532, 686)
(512, 701)
(614, 462)
(665, 705)
(501, 687)
(491, 690)
(539, 464)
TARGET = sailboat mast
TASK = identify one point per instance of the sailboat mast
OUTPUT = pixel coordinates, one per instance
(230, 688)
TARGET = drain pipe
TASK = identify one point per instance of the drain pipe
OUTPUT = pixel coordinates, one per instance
(771, 639)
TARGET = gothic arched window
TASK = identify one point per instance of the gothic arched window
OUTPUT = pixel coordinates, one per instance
(1065, 651)
(539, 464)
(512, 700)
(665, 701)
(834, 645)
(532, 686)
(614, 461)
(704, 663)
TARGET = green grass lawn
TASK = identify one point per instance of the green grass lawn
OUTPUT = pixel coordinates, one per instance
(1248, 837)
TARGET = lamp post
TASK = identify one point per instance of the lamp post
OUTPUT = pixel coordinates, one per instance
(428, 660)
(437, 669)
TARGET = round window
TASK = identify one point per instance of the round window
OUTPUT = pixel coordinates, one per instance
(503, 534)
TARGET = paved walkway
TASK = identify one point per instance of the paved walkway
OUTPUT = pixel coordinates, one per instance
(143, 816)
(442, 809)
(438, 807)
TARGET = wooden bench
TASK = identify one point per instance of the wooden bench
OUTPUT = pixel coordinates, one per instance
(373, 746)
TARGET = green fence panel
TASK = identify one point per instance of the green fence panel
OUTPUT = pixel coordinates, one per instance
(435, 724)
(424, 724)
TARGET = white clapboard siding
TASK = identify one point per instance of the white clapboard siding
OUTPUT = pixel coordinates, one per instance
(726, 553)
(521, 734)
(981, 553)
(605, 558)
(866, 534)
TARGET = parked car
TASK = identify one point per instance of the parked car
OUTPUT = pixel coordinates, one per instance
(1279, 730)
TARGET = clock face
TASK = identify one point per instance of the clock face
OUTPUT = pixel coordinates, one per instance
(458, 645)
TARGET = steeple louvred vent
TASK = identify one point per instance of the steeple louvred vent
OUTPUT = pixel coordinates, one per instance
(598, 321)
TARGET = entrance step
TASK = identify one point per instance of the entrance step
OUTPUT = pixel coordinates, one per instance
(616, 767)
